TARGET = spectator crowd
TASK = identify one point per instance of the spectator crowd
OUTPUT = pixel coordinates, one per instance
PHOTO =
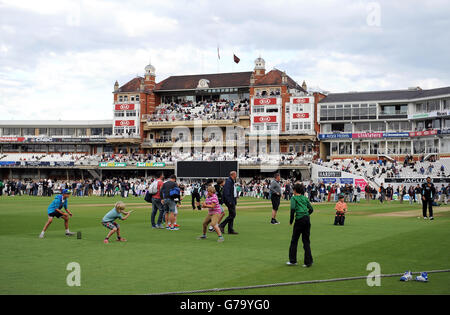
(256, 187)
(186, 111)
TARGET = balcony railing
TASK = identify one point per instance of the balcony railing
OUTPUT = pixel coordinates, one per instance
(124, 136)
(203, 143)
(267, 96)
(393, 114)
(182, 117)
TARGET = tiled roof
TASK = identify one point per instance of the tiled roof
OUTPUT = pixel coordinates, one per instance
(274, 77)
(132, 86)
(218, 80)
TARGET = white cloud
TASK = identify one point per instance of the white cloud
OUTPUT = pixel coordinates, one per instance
(3, 49)
(79, 85)
(61, 58)
(138, 24)
(45, 7)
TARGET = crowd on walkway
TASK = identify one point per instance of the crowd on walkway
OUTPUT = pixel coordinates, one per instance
(246, 187)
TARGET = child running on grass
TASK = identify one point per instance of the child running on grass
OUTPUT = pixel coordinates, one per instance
(214, 212)
(111, 216)
(341, 209)
(219, 193)
(54, 211)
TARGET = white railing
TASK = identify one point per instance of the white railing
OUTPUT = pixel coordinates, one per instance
(124, 136)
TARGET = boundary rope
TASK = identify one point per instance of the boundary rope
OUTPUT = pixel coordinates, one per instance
(289, 283)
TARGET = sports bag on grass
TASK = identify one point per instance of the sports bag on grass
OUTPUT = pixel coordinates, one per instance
(148, 197)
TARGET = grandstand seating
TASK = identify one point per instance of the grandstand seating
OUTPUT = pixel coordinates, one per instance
(391, 169)
(168, 158)
(372, 171)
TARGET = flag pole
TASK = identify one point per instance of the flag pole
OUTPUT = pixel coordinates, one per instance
(218, 59)
(232, 64)
(203, 59)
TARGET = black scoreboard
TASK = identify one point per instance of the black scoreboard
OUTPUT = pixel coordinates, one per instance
(205, 169)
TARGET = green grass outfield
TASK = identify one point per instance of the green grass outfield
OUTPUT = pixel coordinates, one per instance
(154, 261)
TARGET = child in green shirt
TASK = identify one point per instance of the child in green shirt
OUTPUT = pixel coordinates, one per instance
(301, 209)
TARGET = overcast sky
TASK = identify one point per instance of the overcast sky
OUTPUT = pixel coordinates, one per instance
(60, 59)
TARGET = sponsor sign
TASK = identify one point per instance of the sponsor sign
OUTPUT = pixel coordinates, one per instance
(378, 135)
(421, 115)
(12, 139)
(396, 134)
(153, 164)
(444, 132)
(264, 119)
(265, 101)
(300, 115)
(190, 122)
(35, 163)
(429, 115)
(62, 163)
(360, 182)
(416, 180)
(329, 180)
(7, 163)
(93, 140)
(124, 123)
(112, 164)
(346, 181)
(335, 136)
(329, 174)
(50, 139)
(69, 140)
(423, 133)
(441, 114)
(40, 139)
(125, 106)
(302, 100)
(370, 135)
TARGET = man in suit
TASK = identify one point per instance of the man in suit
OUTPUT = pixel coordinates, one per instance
(229, 197)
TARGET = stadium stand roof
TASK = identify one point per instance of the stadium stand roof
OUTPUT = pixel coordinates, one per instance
(55, 123)
(217, 80)
(393, 95)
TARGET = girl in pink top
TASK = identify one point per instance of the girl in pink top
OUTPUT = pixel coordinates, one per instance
(214, 212)
(213, 202)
